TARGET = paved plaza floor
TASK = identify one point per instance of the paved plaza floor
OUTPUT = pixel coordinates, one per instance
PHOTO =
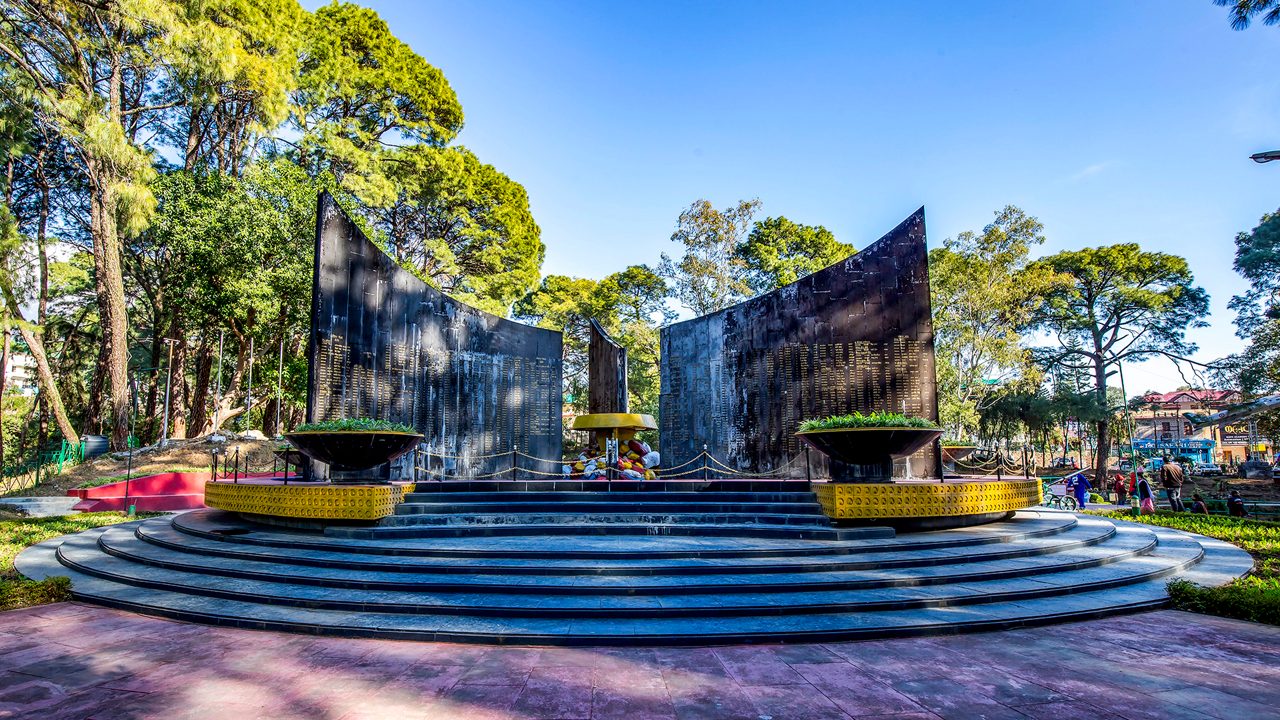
(77, 661)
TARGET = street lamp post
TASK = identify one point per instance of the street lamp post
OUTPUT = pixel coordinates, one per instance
(168, 380)
(1265, 157)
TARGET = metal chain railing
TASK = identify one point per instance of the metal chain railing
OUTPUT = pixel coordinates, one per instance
(704, 466)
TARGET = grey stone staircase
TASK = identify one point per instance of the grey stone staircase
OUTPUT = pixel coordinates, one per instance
(459, 509)
(601, 581)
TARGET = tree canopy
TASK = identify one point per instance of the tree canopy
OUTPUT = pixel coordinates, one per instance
(1242, 12)
(778, 252)
(985, 293)
(710, 274)
(1118, 303)
(181, 147)
(628, 304)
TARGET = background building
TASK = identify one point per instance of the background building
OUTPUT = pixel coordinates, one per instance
(1160, 428)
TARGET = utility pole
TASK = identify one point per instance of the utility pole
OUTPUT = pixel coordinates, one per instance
(1128, 419)
(217, 405)
(280, 388)
(168, 381)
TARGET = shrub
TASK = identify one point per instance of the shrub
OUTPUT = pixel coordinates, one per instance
(22, 592)
(1248, 598)
(872, 420)
(1253, 597)
(355, 425)
(15, 535)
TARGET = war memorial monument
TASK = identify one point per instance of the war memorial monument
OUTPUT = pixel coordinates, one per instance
(467, 523)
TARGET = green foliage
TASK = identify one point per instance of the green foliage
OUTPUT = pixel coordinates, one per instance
(1255, 597)
(870, 420)
(1118, 303)
(463, 227)
(15, 535)
(628, 304)
(778, 252)
(984, 295)
(1256, 370)
(710, 275)
(1250, 598)
(1006, 413)
(361, 93)
(356, 425)
(1242, 12)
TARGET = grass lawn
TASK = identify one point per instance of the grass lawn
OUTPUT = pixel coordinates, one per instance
(1254, 597)
(18, 533)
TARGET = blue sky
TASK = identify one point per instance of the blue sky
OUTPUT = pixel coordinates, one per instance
(1110, 121)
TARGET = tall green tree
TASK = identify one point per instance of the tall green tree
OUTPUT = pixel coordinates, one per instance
(1256, 370)
(462, 226)
(236, 91)
(1119, 304)
(234, 254)
(107, 76)
(778, 252)
(710, 275)
(985, 293)
(362, 95)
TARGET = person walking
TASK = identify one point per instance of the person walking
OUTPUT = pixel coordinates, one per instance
(1121, 488)
(1146, 503)
(1172, 476)
(1082, 488)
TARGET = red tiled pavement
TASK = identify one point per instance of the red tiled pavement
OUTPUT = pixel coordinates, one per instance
(76, 661)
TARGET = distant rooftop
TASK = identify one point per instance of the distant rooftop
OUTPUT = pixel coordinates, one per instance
(1200, 396)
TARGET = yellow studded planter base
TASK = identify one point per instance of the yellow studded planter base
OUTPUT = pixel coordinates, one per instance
(316, 502)
(865, 501)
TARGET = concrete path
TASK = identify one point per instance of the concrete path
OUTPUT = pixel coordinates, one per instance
(78, 661)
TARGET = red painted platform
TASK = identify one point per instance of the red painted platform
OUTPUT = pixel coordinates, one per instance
(150, 493)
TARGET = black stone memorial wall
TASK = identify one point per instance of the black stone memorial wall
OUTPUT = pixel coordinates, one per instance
(606, 373)
(855, 336)
(386, 345)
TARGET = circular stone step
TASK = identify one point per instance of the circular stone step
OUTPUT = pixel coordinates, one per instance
(1037, 567)
(225, 527)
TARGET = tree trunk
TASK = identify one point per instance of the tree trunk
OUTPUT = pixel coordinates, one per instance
(97, 383)
(153, 386)
(47, 385)
(1103, 425)
(175, 379)
(4, 365)
(271, 418)
(111, 300)
(42, 419)
(42, 252)
(112, 308)
(200, 395)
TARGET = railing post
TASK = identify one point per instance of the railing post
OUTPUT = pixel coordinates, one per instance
(808, 472)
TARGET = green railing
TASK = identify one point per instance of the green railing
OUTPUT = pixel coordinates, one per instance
(43, 464)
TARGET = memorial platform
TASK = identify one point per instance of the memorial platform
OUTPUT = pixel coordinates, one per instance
(305, 500)
(640, 568)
